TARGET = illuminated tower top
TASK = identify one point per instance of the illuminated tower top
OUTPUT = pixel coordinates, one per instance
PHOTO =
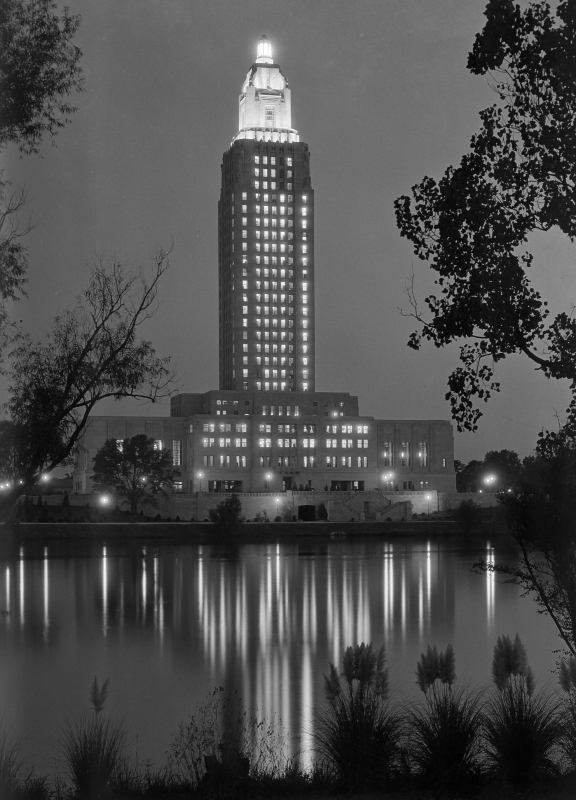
(265, 111)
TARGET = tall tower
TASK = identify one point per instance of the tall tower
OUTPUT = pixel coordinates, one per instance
(266, 242)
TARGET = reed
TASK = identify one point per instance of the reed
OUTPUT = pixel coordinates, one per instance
(444, 731)
(358, 732)
(93, 749)
(523, 730)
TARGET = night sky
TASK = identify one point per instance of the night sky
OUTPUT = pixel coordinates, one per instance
(381, 94)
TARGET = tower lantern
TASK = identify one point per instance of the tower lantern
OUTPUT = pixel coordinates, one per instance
(264, 52)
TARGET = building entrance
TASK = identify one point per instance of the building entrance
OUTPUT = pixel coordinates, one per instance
(347, 486)
(307, 513)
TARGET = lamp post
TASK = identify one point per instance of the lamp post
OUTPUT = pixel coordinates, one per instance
(428, 500)
(200, 475)
(268, 477)
(277, 505)
(387, 478)
(490, 480)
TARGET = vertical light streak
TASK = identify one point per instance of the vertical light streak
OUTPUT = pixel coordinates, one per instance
(104, 593)
(313, 605)
(420, 597)
(8, 609)
(21, 586)
(428, 580)
(122, 609)
(490, 589)
(222, 623)
(306, 712)
(144, 589)
(46, 595)
(403, 603)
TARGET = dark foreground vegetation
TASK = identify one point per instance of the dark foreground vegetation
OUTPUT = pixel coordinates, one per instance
(509, 740)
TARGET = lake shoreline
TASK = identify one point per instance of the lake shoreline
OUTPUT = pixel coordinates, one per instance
(186, 532)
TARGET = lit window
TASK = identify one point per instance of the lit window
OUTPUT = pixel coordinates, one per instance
(176, 452)
(158, 444)
(423, 454)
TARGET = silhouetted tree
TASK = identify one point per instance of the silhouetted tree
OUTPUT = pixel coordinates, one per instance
(473, 225)
(134, 470)
(227, 514)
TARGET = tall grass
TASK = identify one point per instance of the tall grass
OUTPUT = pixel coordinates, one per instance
(567, 680)
(10, 766)
(358, 733)
(523, 730)
(93, 749)
(444, 732)
(222, 749)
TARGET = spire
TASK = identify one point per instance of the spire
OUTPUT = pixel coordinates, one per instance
(264, 108)
(264, 51)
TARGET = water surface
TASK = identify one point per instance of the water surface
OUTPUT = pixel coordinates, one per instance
(168, 623)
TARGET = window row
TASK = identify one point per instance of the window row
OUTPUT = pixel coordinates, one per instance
(346, 428)
(225, 461)
(405, 455)
(257, 183)
(273, 160)
(224, 442)
(347, 461)
(264, 173)
(224, 427)
(346, 443)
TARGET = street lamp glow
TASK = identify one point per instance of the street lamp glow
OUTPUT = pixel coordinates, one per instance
(104, 500)
(490, 479)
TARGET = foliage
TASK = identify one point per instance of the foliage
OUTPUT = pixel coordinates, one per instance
(93, 749)
(39, 70)
(567, 680)
(13, 258)
(436, 666)
(468, 514)
(518, 177)
(92, 353)
(523, 730)
(134, 469)
(506, 467)
(358, 732)
(227, 514)
(444, 732)
(221, 740)
(541, 524)
(10, 765)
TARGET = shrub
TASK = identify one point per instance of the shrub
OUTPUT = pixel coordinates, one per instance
(523, 731)
(93, 749)
(444, 732)
(357, 732)
(220, 748)
(227, 514)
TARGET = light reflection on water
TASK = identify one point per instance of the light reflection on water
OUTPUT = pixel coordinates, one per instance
(168, 623)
